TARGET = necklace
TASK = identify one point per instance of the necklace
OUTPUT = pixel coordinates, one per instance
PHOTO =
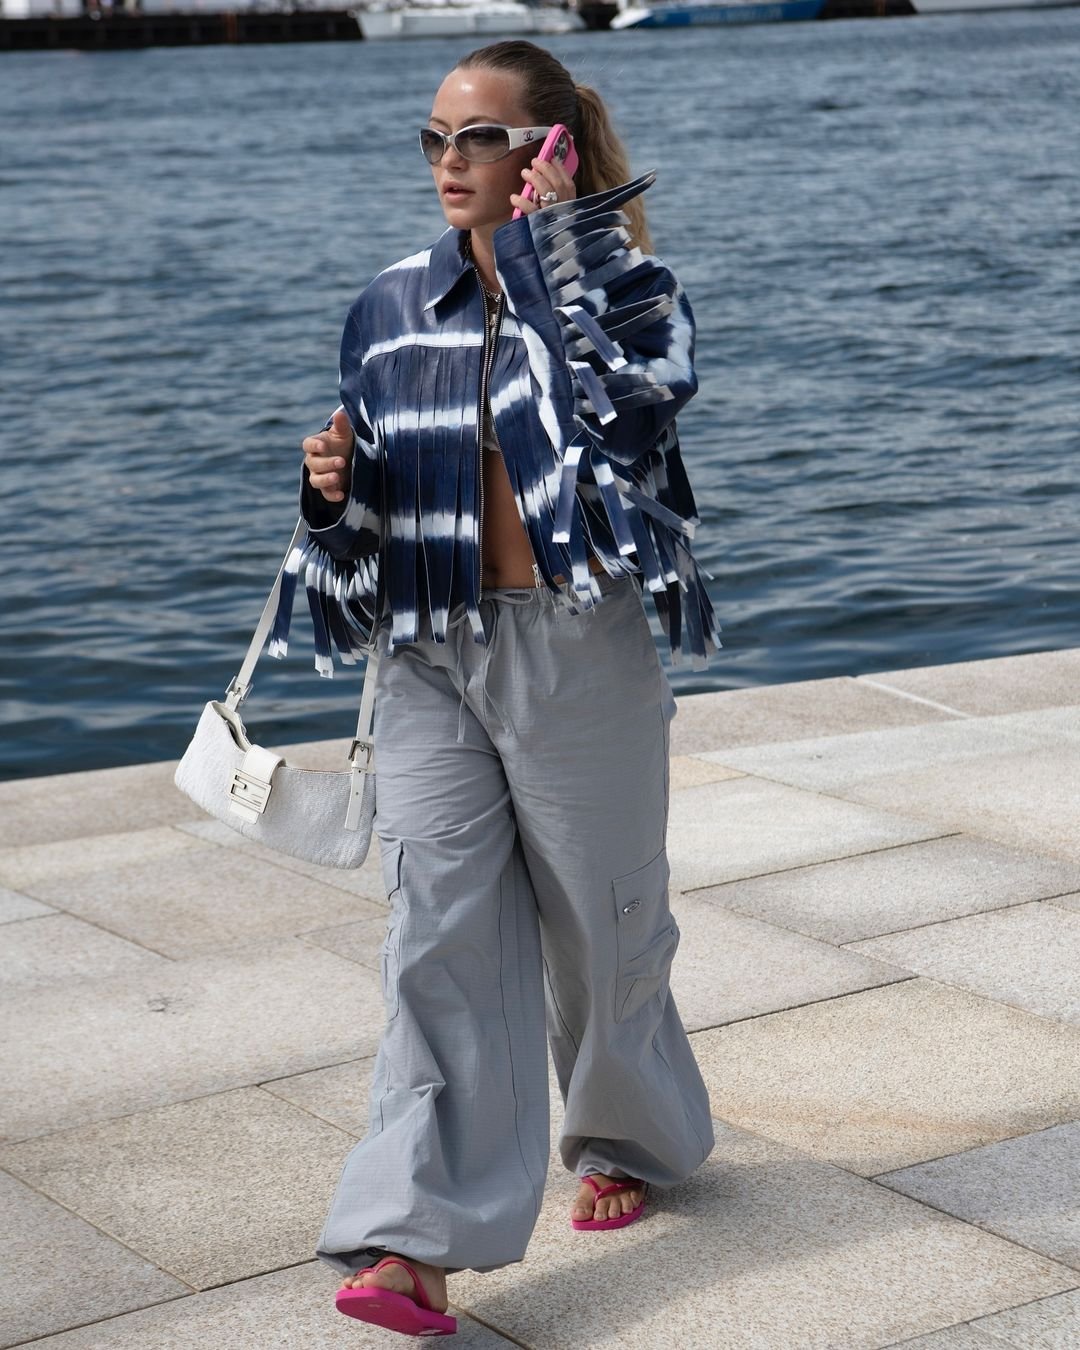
(491, 298)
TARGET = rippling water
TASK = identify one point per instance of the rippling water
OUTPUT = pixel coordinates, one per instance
(878, 225)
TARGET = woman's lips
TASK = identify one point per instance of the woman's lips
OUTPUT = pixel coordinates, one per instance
(455, 193)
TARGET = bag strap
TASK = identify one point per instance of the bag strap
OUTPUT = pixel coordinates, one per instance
(239, 689)
(362, 749)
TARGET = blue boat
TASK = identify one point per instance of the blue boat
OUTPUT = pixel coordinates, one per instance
(683, 13)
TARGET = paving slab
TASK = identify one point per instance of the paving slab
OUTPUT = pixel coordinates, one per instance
(729, 967)
(1027, 798)
(339, 1094)
(211, 1190)
(787, 712)
(287, 1310)
(1027, 956)
(365, 880)
(744, 827)
(360, 941)
(762, 1249)
(997, 685)
(893, 1076)
(32, 864)
(14, 906)
(1048, 1324)
(837, 763)
(963, 1337)
(1051, 723)
(692, 771)
(56, 1270)
(1051, 1323)
(898, 888)
(1025, 1189)
(182, 1030)
(95, 801)
(206, 899)
(58, 949)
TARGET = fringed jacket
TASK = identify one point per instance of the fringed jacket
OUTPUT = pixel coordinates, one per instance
(591, 363)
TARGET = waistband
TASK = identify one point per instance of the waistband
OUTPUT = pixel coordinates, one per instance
(538, 594)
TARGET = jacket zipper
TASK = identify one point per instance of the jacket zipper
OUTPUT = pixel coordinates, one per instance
(490, 334)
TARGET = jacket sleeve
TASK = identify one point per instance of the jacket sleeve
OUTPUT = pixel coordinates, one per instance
(355, 531)
(610, 339)
(612, 331)
(338, 562)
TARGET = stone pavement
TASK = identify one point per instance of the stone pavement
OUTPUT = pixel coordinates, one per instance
(878, 885)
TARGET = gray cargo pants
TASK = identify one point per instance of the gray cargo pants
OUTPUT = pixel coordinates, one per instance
(522, 812)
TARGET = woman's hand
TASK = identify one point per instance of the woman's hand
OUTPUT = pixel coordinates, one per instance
(546, 175)
(328, 458)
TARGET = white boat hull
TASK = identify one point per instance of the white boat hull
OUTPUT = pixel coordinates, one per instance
(455, 20)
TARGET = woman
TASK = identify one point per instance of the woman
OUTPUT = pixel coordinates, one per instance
(500, 484)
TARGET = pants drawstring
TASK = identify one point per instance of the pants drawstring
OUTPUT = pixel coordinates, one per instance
(508, 596)
(456, 675)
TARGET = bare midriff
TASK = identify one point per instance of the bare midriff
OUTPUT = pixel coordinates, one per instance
(507, 553)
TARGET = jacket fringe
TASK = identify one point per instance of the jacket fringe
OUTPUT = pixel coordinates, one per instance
(341, 597)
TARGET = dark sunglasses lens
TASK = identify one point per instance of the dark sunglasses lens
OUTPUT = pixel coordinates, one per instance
(432, 144)
(483, 144)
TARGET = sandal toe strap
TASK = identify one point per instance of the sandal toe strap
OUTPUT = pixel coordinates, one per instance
(421, 1293)
(615, 1188)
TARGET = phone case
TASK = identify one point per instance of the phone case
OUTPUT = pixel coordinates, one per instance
(558, 146)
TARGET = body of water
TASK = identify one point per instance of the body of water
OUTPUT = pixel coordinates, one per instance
(877, 222)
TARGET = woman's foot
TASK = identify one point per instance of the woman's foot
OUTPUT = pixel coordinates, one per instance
(433, 1279)
(586, 1206)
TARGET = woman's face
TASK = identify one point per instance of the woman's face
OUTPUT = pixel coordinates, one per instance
(477, 195)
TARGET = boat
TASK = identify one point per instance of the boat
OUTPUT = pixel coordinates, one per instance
(464, 18)
(683, 13)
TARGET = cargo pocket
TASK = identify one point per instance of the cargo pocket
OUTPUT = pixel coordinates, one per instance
(391, 948)
(648, 936)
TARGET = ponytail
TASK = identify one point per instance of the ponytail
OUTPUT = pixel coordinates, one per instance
(604, 161)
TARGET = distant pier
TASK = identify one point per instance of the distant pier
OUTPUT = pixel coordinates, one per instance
(116, 31)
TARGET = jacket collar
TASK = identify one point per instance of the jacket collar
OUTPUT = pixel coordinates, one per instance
(446, 266)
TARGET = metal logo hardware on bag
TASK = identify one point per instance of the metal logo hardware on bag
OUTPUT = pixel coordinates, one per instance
(321, 816)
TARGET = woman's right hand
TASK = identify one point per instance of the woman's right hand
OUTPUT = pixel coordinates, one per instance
(328, 458)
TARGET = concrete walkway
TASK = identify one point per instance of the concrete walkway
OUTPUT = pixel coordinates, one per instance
(878, 885)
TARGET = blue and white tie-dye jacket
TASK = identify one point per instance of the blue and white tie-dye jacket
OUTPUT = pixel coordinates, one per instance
(593, 359)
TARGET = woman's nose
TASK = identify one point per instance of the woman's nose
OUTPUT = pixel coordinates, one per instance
(453, 159)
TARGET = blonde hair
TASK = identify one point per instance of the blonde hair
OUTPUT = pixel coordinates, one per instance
(551, 96)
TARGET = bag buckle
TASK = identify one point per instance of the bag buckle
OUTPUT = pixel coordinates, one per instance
(236, 693)
(362, 754)
(247, 794)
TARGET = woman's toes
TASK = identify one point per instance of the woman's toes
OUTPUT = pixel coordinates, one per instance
(584, 1204)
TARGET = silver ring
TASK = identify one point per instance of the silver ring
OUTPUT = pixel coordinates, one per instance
(548, 197)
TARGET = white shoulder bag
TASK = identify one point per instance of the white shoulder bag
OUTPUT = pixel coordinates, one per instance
(322, 816)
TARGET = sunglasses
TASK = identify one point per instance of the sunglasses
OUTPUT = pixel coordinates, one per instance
(480, 144)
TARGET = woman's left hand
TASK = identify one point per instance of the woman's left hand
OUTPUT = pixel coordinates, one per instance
(545, 176)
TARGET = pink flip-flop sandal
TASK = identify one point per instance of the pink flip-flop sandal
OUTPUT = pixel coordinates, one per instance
(395, 1312)
(614, 1189)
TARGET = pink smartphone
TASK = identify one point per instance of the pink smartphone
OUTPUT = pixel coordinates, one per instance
(558, 146)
